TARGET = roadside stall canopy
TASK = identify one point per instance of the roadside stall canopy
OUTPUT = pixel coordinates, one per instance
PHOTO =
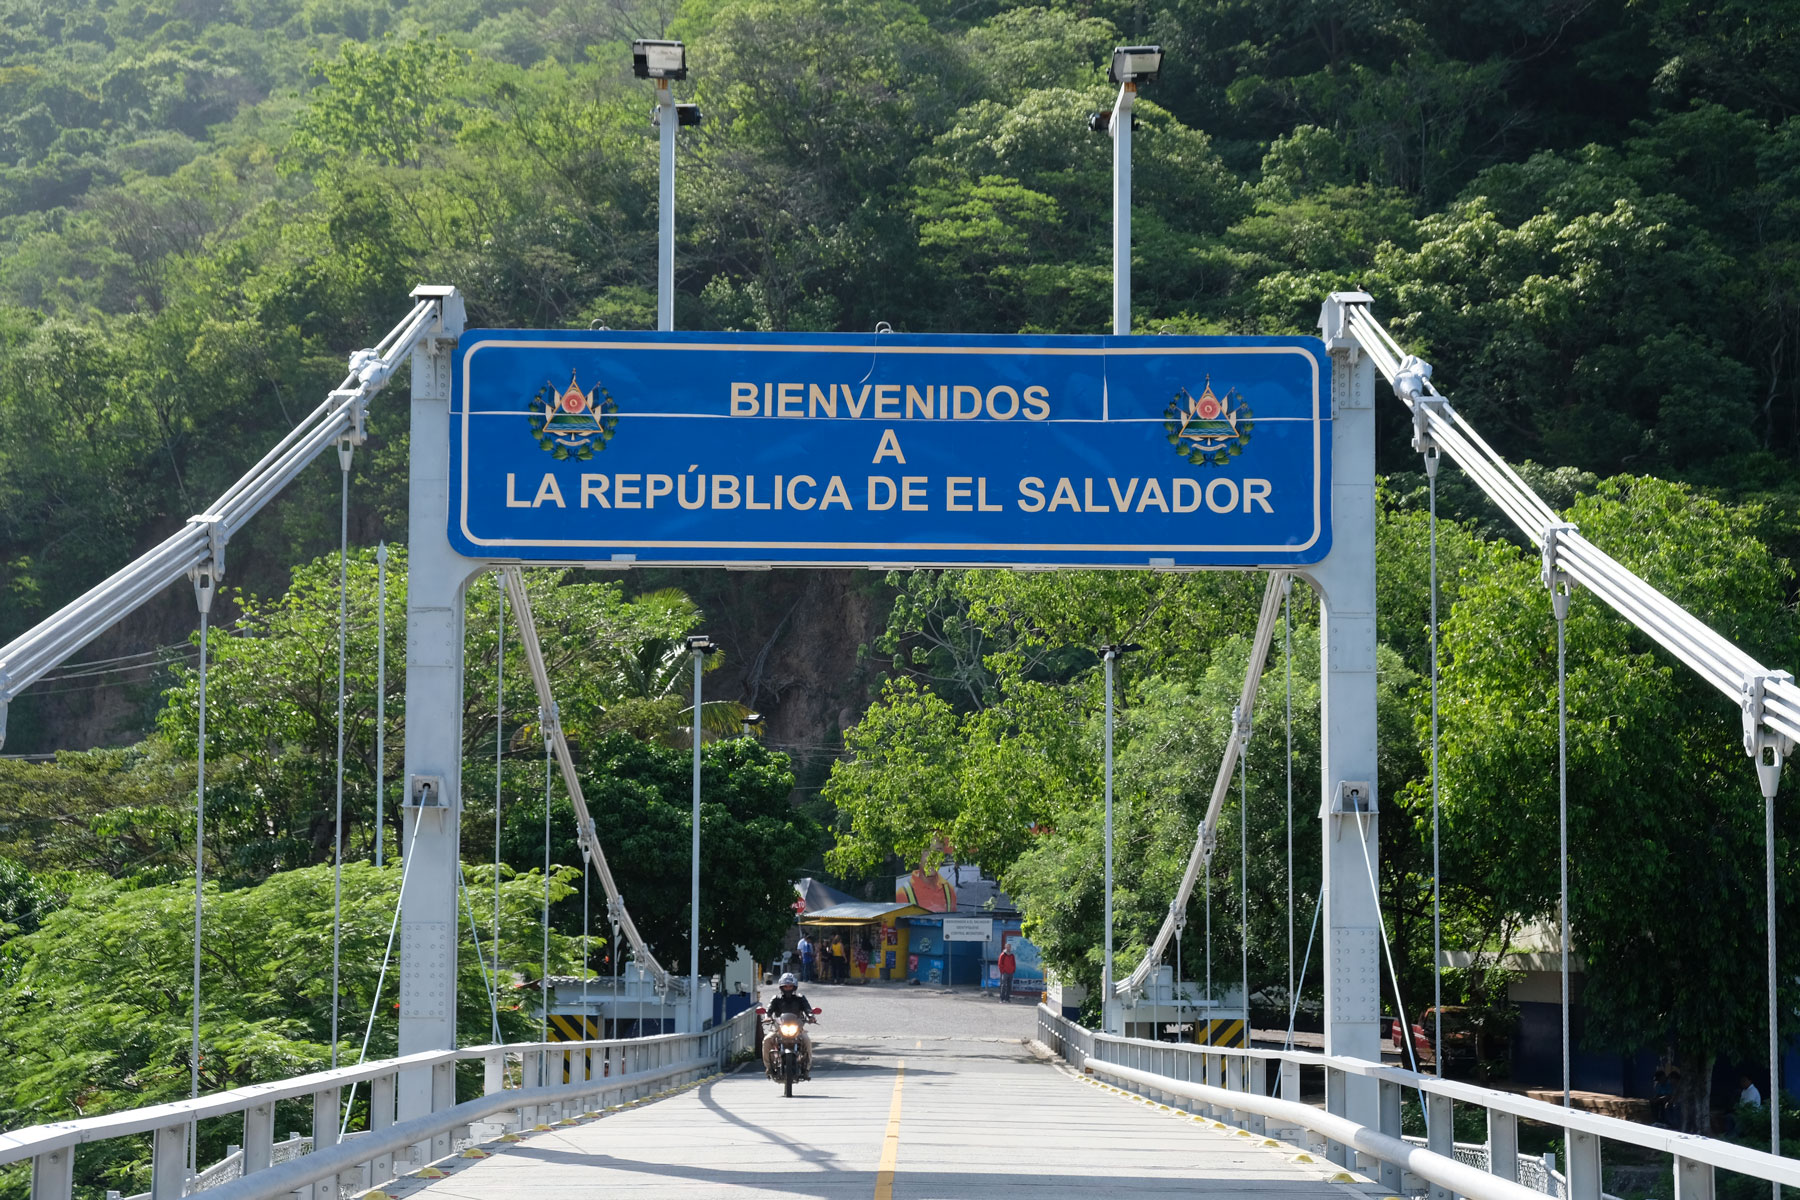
(814, 896)
(861, 913)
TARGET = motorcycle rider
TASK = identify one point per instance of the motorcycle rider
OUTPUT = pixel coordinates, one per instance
(789, 1001)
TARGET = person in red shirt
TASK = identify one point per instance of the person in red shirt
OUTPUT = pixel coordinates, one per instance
(1008, 964)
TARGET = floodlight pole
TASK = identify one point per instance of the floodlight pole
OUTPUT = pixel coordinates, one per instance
(1108, 1016)
(1120, 129)
(694, 890)
(665, 208)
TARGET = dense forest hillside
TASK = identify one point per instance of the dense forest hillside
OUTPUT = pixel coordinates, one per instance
(1583, 210)
(1586, 213)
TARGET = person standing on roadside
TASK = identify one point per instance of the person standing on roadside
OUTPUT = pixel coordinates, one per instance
(1008, 964)
(806, 959)
(840, 963)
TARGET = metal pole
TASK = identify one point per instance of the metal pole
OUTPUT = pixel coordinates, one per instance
(1121, 134)
(1106, 969)
(694, 879)
(381, 557)
(665, 213)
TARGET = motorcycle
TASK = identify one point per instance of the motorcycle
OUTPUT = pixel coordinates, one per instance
(787, 1028)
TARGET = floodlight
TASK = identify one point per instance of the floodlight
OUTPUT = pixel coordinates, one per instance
(687, 114)
(701, 644)
(1135, 64)
(1101, 122)
(658, 60)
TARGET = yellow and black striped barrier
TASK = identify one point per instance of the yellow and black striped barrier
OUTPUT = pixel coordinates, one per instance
(574, 1027)
(1223, 1031)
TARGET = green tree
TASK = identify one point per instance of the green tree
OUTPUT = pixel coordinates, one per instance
(1665, 816)
(753, 843)
(99, 997)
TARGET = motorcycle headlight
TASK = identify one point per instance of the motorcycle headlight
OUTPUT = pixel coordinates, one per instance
(790, 1028)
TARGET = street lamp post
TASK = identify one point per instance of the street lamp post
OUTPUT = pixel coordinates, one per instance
(664, 62)
(699, 646)
(1131, 65)
(1110, 1018)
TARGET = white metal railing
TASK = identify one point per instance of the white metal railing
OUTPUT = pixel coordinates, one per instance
(1537, 1172)
(1233, 1084)
(232, 1166)
(550, 1081)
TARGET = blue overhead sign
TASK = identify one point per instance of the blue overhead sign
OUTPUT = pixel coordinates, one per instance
(890, 450)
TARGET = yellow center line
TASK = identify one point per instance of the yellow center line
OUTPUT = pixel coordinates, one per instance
(890, 1142)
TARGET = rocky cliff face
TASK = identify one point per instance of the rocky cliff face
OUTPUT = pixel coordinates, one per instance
(792, 642)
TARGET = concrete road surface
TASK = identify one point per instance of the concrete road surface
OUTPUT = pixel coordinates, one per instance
(900, 1115)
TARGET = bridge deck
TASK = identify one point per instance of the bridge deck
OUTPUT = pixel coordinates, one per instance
(891, 1116)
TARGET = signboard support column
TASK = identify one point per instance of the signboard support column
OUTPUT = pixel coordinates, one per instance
(436, 577)
(1345, 581)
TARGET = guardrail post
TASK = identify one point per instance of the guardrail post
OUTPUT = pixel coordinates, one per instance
(168, 1162)
(381, 1115)
(259, 1136)
(1583, 1166)
(1336, 1104)
(1503, 1145)
(443, 1095)
(1388, 1174)
(1693, 1180)
(1234, 1081)
(1290, 1081)
(1256, 1081)
(1440, 1119)
(53, 1175)
(493, 1073)
(325, 1136)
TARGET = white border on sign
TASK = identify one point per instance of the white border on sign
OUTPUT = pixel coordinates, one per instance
(762, 544)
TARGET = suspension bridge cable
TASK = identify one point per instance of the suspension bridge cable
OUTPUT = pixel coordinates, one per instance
(499, 752)
(381, 979)
(1204, 838)
(584, 936)
(540, 678)
(1769, 700)
(545, 976)
(1209, 981)
(1287, 659)
(1244, 874)
(1774, 1097)
(491, 985)
(345, 450)
(1362, 829)
(381, 557)
(1561, 602)
(1437, 924)
(204, 595)
(1294, 996)
(1412, 1054)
